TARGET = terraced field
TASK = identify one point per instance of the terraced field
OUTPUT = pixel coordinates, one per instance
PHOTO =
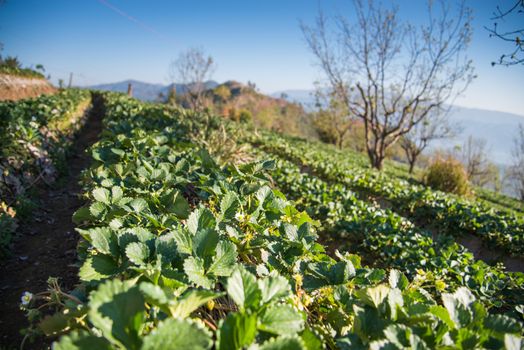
(197, 233)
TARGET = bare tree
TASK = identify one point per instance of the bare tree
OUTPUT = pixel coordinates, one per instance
(193, 68)
(517, 169)
(419, 137)
(481, 171)
(514, 36)
(332, 120)
(389, 73)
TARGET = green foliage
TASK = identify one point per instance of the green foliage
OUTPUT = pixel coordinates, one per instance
(35, 135)
(239, 269)
(447, 213)
(388, 239)
(12, 66)
(447, 175)
(245, 116)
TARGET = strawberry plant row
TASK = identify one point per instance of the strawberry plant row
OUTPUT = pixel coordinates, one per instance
(35, 135)
(390, 240)
(447, 213)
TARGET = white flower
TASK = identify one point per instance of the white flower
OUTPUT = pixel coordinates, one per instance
(26, 298)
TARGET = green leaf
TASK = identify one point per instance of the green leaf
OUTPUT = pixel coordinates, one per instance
(305, 232)
(323, 273)
(194, 269)
(281, 319)
(178, 334)
(53, 325)
(180, 206)
(242, 287)
(225, 259)
(368, 322)
(184, 241)
(98, 210)
(274, 287)
(229, 206)
(117, 309)
(341, 272)
(138, 205)
(207, 162)
(97, 267)
(284, 343)
(82, 214)
(116, 194)
(103, 239)
(137, 253)
(458, 306)
(237, 331)
(205, 242)
(101, 194)
(81, 340)
(289, 231)
(190, 301)
(166, 246)
(374, 296)
(443, 315)
(202, 218)
(397, 279)
(154, 294)
(502, 324)
(311, 341)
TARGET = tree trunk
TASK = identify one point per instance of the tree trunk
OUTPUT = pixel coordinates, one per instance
(378, 162)
(411, 165)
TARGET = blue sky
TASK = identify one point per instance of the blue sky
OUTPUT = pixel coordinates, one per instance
(251, 40)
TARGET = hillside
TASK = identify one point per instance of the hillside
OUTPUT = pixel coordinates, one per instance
(16, 87)
(201, 232)
(232, 98)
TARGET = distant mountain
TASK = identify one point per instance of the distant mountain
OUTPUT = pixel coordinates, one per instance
(146, 91)
(497, 128)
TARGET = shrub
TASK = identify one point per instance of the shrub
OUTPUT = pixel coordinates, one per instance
(245, 116)
(447, 174)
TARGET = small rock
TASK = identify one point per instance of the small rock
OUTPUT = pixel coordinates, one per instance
(23, 257)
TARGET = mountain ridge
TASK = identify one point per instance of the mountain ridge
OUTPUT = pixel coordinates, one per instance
(146, 91)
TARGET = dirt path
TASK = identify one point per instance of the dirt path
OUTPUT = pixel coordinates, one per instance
(46, 245)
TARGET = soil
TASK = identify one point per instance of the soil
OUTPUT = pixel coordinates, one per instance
(17, 88)
(490, 255)
(46, 244)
